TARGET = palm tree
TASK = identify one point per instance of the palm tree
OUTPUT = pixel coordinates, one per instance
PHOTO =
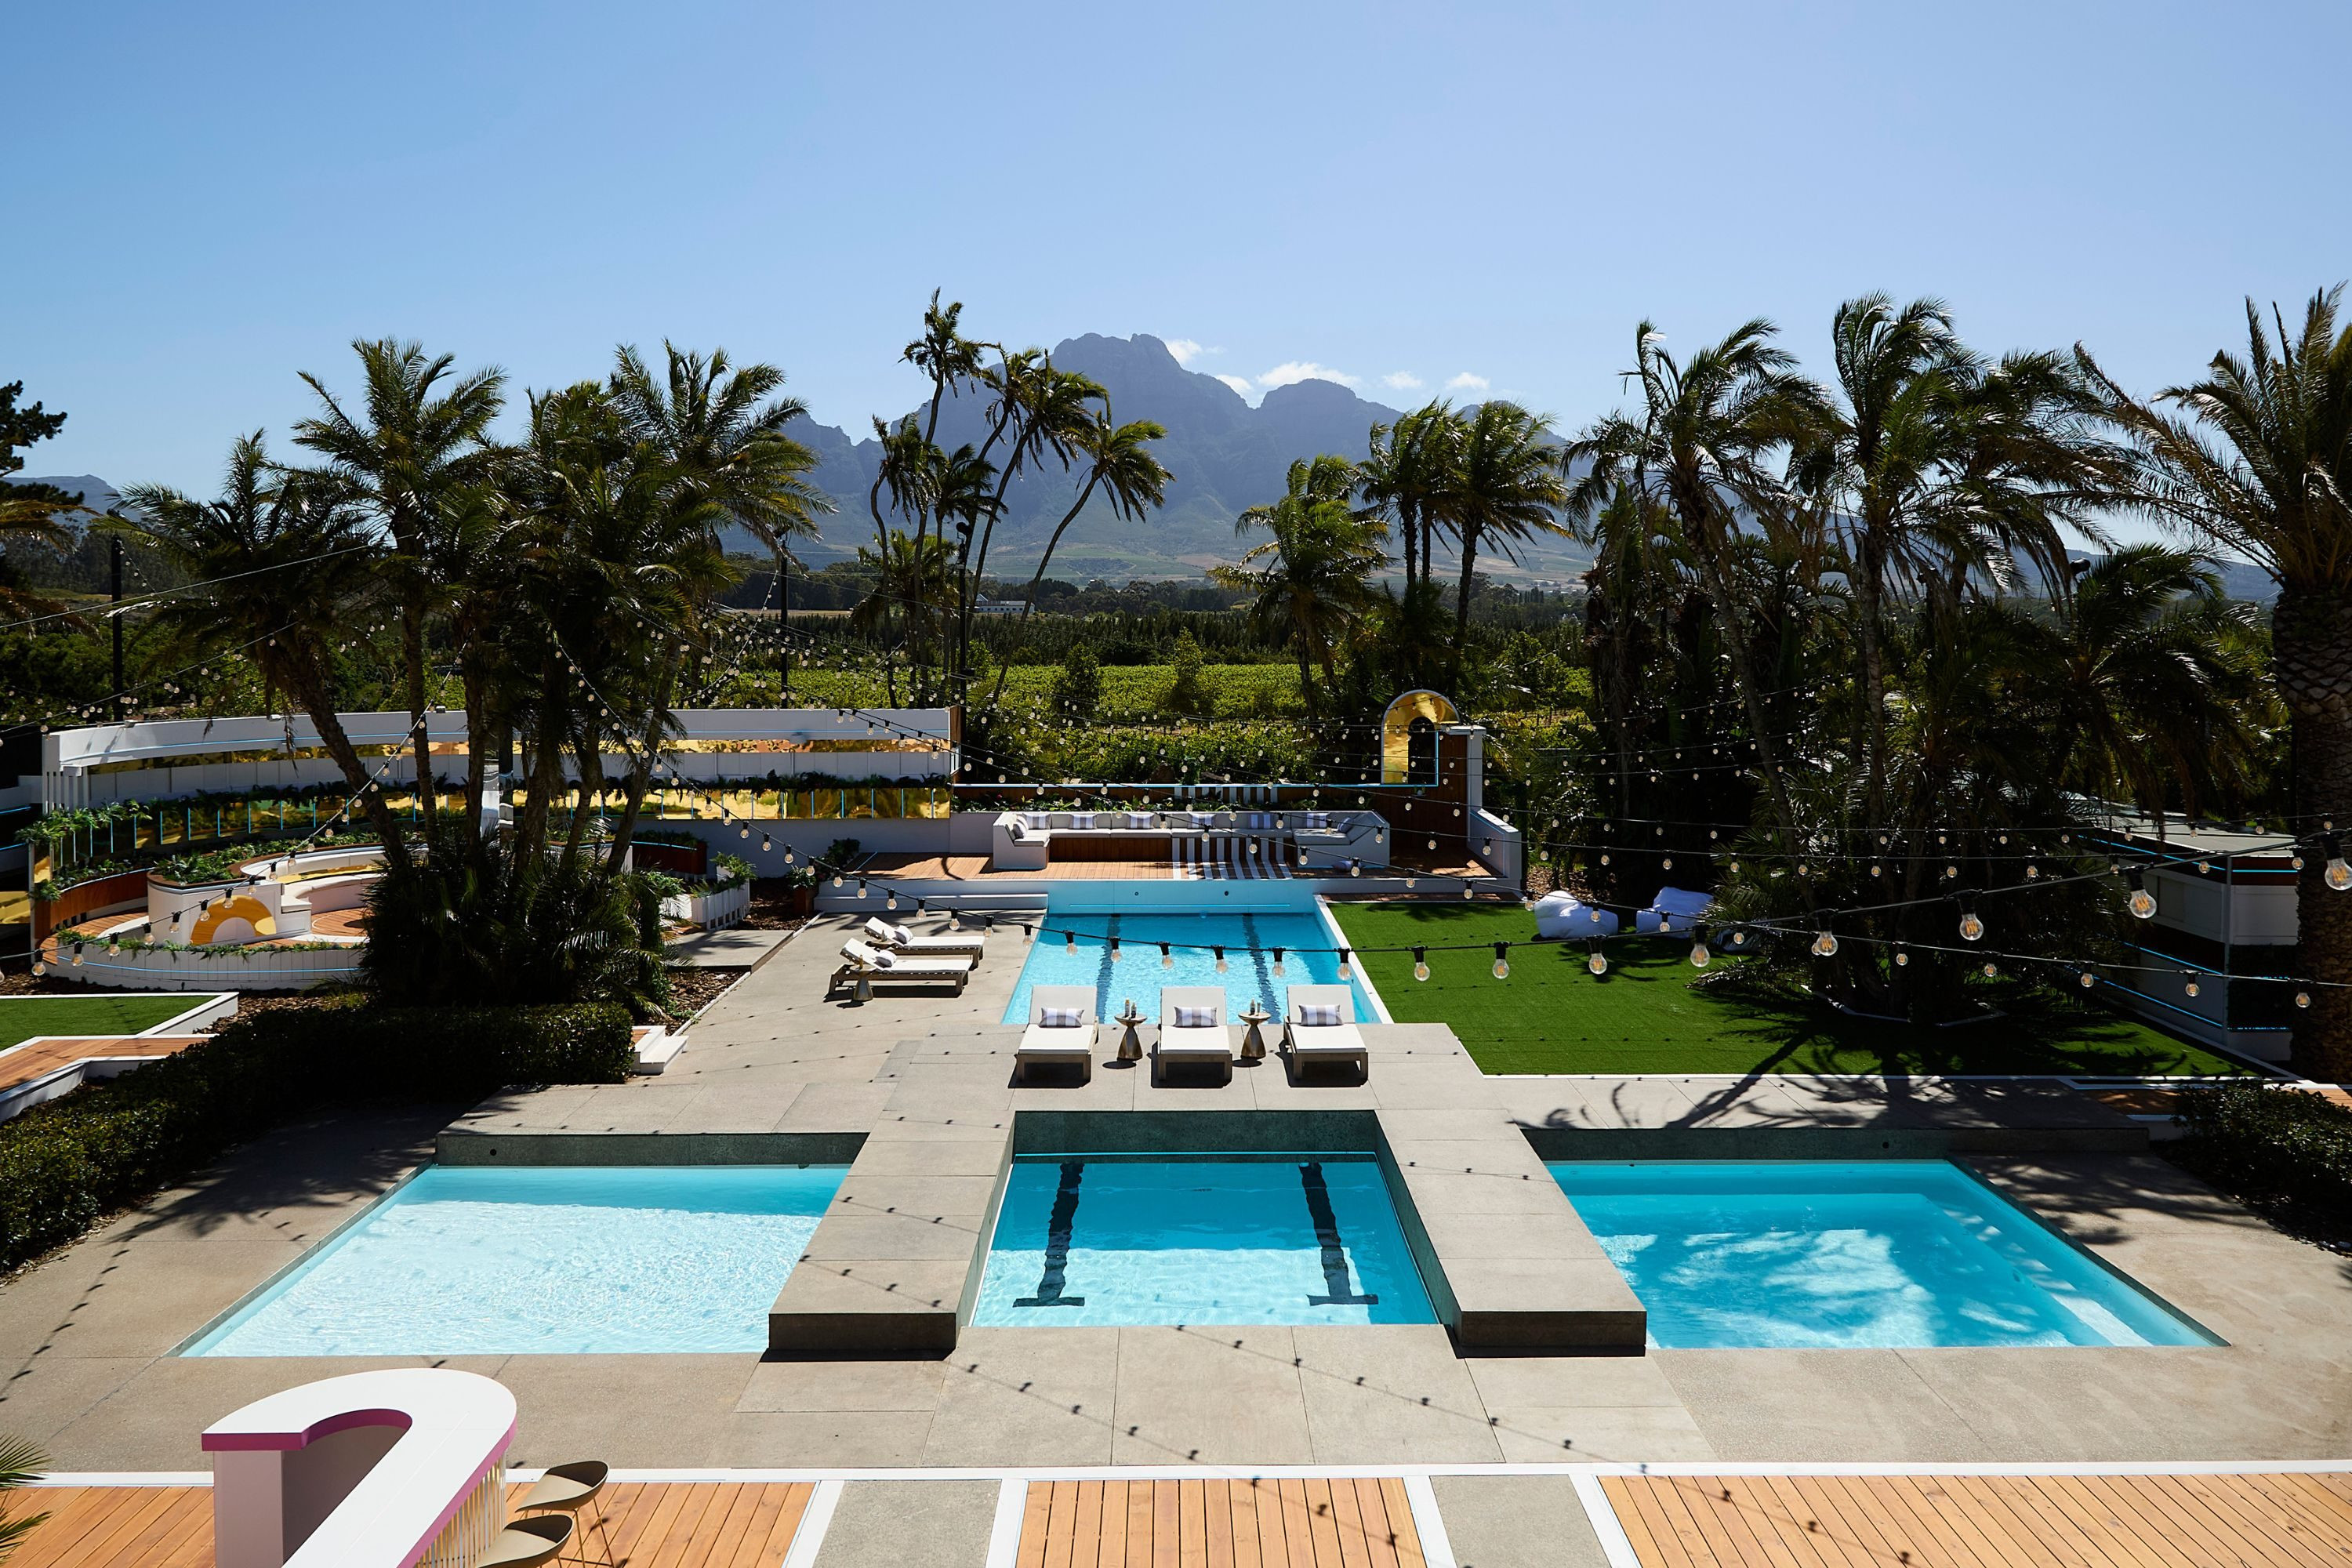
(29, 514)
(1313, 583)
(711, 425)
(2273, 486)
(1702, 447)
(1404, 476)
(2155, 684)
(20, 1466)
(1503, 485)
(1042, 413)
(1121, 464)
(416, 455)
(286, 559)
(911, 584)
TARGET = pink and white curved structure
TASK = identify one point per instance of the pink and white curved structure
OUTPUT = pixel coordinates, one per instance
(400, 1468)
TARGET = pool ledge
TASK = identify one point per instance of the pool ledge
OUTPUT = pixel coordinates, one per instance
(894, 1266)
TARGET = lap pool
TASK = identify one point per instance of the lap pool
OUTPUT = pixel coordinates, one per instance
(1275, 1238)
(1249, 941)
(548, 1259)
(1851, 1254)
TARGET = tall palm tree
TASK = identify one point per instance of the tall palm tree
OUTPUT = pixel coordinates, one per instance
(910, 586)
(1503, 485)
(1043, 412)
(1122, 465)
(1404, 477)
(286, 559)
(28, 515)
(418, 455)
(1703, 447)
(2257, 462)
(709, 420)
(1311, 585)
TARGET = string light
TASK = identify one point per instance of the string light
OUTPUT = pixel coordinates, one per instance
(1502, 960)
(2142, 903)
(1971, 927)
(1421, 963)
(1595, 959)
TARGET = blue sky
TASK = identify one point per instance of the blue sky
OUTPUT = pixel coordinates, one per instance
(203, 200)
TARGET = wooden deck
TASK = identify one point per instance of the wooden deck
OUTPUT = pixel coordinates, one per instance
(41, 1057)
(654, 1525)
(1358, 1523)
(1985, 1522)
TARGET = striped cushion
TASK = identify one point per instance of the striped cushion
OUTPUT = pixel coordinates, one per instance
(1196, 1017)
(1315, 1015)
(1060, 1018)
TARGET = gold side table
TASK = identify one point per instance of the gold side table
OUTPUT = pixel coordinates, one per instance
(1131, 1047)
(1252, 1041)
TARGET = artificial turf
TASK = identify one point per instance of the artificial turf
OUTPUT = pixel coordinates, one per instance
(22, 1017)
(1644, 1016)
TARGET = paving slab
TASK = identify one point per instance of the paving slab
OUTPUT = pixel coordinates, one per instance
(1210, 1396)
(892, 1524)
(1517, 1521)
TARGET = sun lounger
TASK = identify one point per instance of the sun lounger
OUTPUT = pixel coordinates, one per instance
(868, 966)
(1203, 1042)
(1563, 917)
(899, 938)
(1048, 1041)
(1336, 1041)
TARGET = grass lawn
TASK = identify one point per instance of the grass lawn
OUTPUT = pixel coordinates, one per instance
(1551, 1017)
(22, 1017)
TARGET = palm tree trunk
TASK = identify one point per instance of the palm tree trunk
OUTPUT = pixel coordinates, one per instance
(1867, 602)
(1094, 477)
(310, 689)
(412, 654)
(1462, 599)
(783, 627)
(641, 767)
(2312, 664)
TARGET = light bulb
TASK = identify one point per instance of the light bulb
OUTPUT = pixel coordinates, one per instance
(76, 955)
(1421, 963)
(1699, 955)
(1902, 960)
(1278, 970)
(1971, 927)
(1825, 945)
(2339, 874)
(1221, 959)
(2191, 988)
(1502, 960)
(2086, 979)
(1597, 960)
(2143, 903)
(1346, 973)
(1069, 942)
(1991, 970)
(1166, 959)
(890, 900)
(1114, 950)
(743, 833)
(2303, 998)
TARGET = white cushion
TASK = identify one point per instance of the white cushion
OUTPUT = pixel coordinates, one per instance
(1196, 1017)
(881, 959)
(1082, 819)
(1319, 1015)
(1061, 1018)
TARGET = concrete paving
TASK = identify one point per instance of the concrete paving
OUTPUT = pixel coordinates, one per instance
(918, 1090)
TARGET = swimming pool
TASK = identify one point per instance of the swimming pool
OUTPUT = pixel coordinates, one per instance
(1249, 941)
(1279, 1238)
(546, 1260)
(1851, 1253)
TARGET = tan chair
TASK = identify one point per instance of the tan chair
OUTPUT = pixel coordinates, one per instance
(527, 1542)
(570, 1489)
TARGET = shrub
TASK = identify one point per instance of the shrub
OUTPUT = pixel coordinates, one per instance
(2271, 1143)
(65, 1164)
(1079, 691)
(1184, 694)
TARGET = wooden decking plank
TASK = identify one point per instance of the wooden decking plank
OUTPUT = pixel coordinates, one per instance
(1632, 1519)
(1379, 1534)
(1166, 1523)
(1348, 1521)
(91, 1527)
(750, 1551)
(1061, 1523)
(164, 1527)
(2324, 1525)
(1086, 1531)
(1217, 1498)
(1240, 1500)
(2058, 1528)
(1998, 1536)
(1742, 1535)
(115, 1527)
(1867, 1511)
(2120, 1530)
(1114, 1525)
(1801, 1522)
(192, 1545)
(1408, 1534)
(74, 1512)
(1036, 1505)
(1273, 1536)
(1322, 1525)
(1668, 1533)
(700, 1519)
(1191, 1525)
(727, 1540)
(2160, 1518)
(1833, 1533)
(2255, 1522)
(2193, 1520)
(1298, 1539)
(1944, 1520)
(641, 1528)
(1138, 1524)
(1782, 1534)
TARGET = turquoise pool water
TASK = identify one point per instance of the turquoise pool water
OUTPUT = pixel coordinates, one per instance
(1301, 1238)
(552, 1259)
(1249, 941)
(1844, 1254)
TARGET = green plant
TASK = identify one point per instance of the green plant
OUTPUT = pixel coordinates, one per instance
(65, 1164)
(1079, 691)
(733, 871)
(2269, 1144)
(840, 852)
(1184, 693)
(20, 1466)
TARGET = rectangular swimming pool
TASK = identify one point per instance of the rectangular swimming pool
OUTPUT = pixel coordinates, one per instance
(1851, 1253)
(545, 1259)
(1225, 1238)
(1249, 941)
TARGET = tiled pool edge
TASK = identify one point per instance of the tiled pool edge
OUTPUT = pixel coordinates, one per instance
(460, 1146)
(896, 1264)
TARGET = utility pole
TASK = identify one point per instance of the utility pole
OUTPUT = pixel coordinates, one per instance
(114, 550)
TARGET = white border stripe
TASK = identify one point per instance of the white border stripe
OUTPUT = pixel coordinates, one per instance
(1335, 1472)
(808, 1535)
(1615, 1545)
(1004, 1535)
(1437, 1551)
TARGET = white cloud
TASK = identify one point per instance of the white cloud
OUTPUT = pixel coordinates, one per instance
(1466, 381)
(1295, 371)
(1238, 383)
(1400, 380)
(1185, 350)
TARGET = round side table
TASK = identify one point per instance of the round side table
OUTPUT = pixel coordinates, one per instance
(1252, 1041)
(1130, 1048)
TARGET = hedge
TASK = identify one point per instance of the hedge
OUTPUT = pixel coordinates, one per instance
(2271, 1144)
(65, 1164)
